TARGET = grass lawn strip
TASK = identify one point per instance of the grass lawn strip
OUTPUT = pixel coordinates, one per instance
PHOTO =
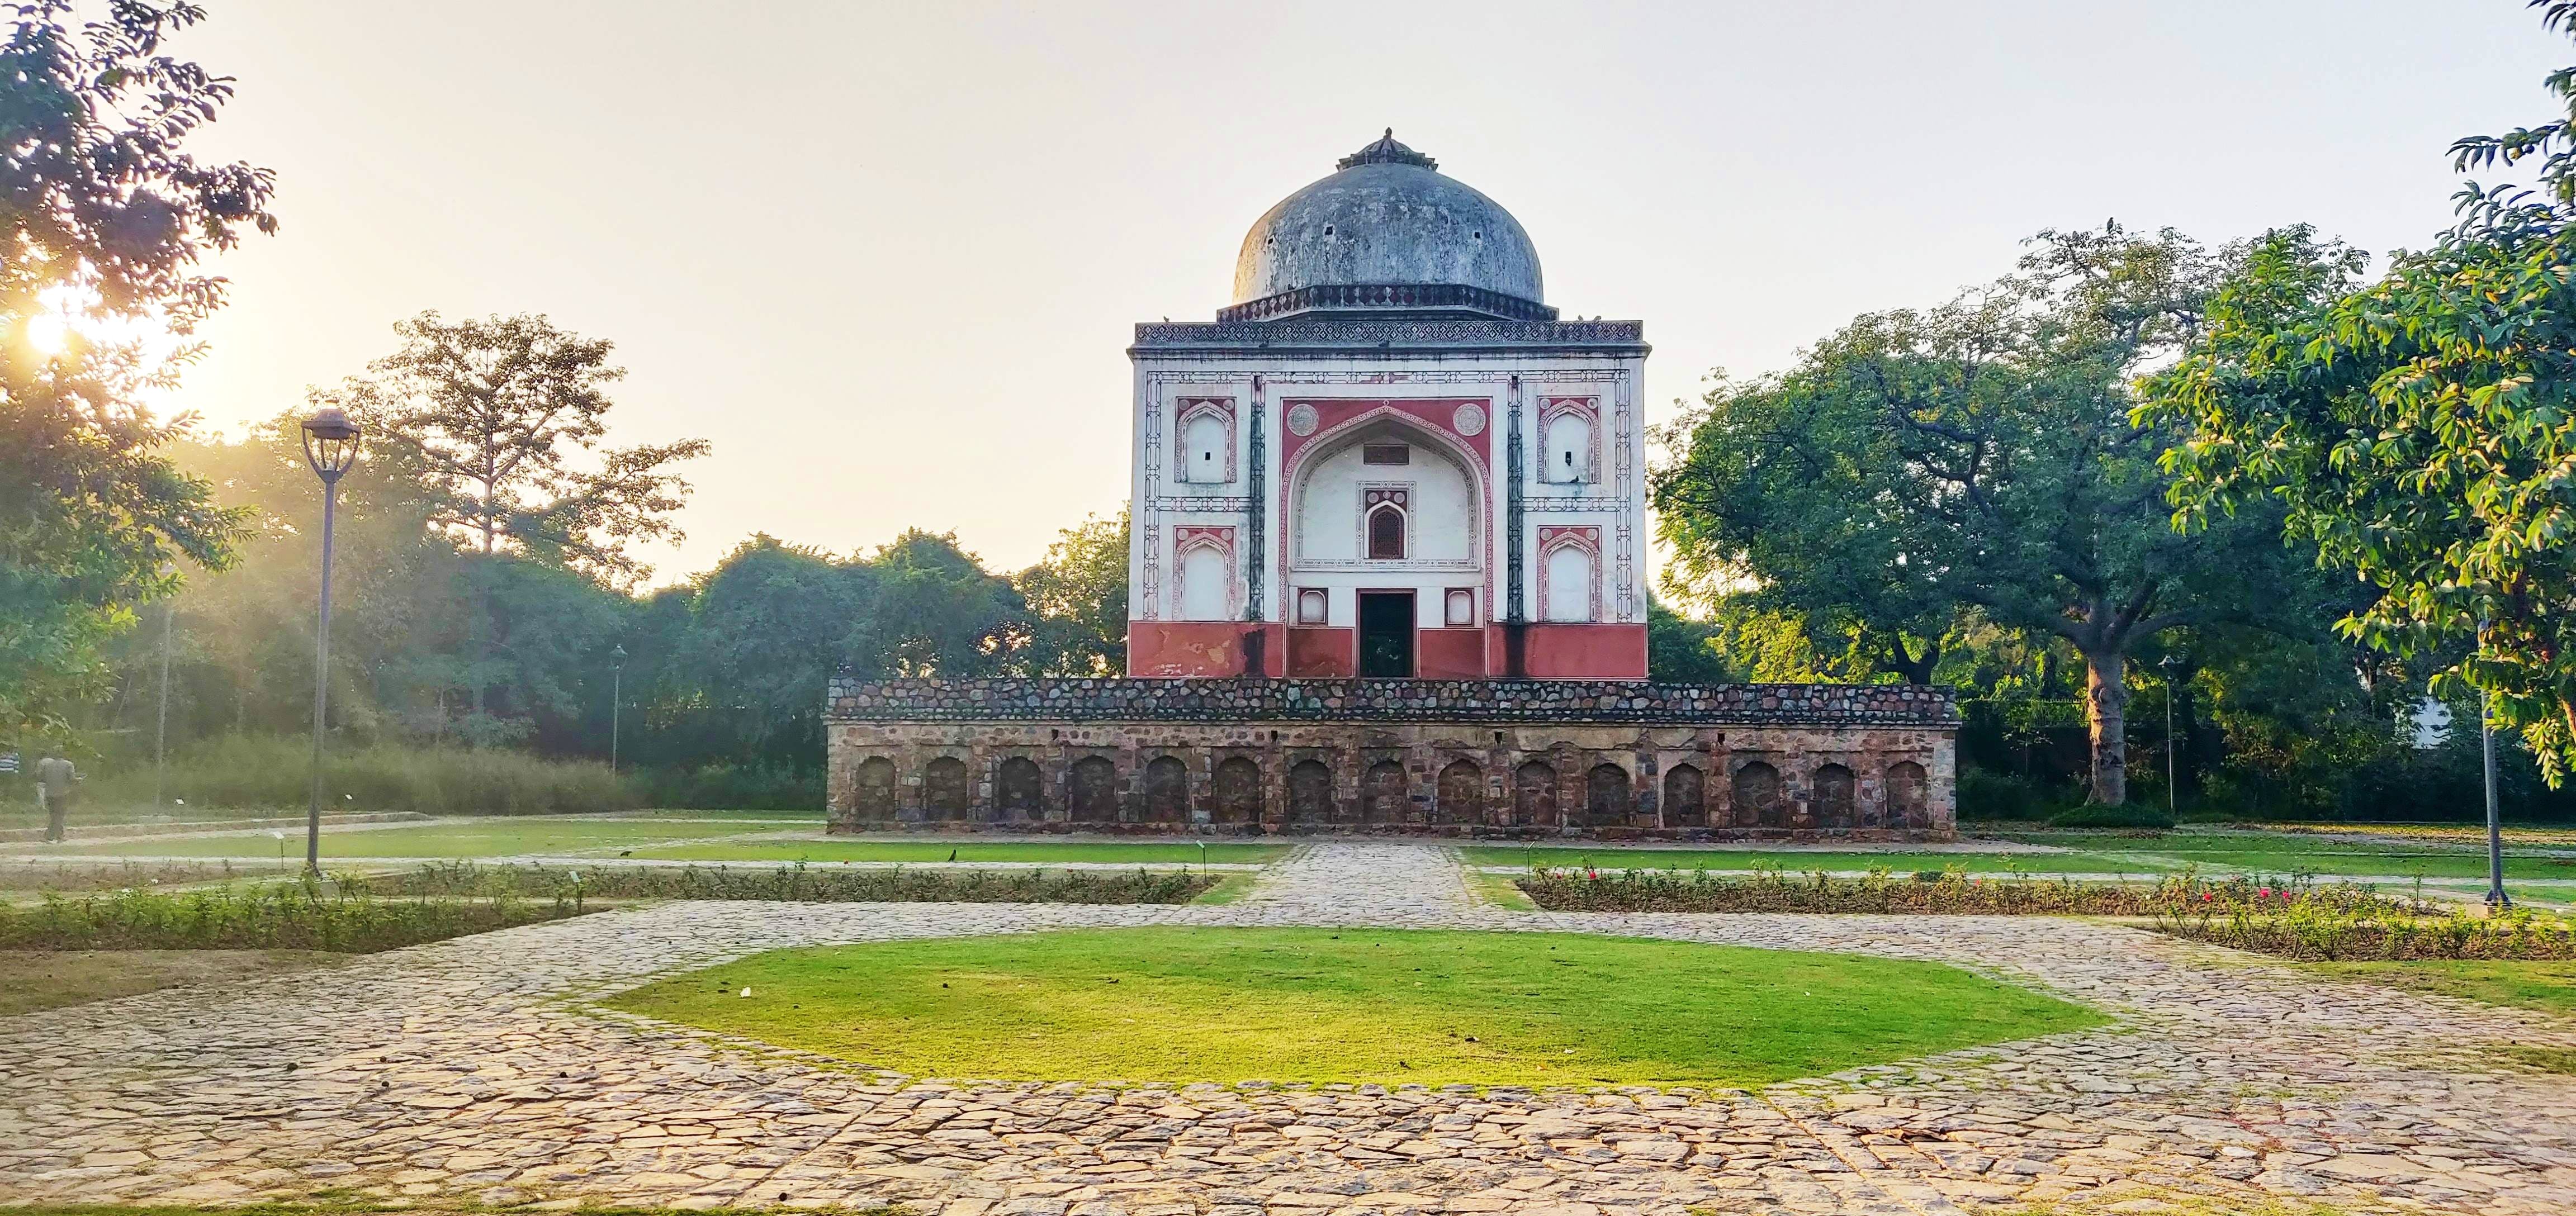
(1321, 1005)
(2375, 863)
(1038, 852)
(497, 837)
(2544, 985)
(48, 979)
(1800, 861)
(2285, 853)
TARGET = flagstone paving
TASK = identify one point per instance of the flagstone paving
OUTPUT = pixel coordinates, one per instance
(471, 1069)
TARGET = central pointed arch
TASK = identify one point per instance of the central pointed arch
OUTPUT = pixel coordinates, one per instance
(1384, 423)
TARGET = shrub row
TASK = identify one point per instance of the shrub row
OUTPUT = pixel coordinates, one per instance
(271, 916)
(797, 883)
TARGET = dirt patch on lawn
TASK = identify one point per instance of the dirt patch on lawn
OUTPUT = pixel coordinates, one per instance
(48, 979)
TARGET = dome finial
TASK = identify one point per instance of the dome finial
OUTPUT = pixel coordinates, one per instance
(1386, 152)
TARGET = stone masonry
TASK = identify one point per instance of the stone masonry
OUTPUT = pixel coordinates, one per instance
(1459, 757)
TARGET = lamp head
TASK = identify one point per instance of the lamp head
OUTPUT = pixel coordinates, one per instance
(330, 443)
(619, 654)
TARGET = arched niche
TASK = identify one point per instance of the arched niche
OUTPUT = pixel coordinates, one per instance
(1443, 502)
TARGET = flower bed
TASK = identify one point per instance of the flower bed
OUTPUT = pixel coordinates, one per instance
(2293, 917)
(798, 883)
(1949, 893)
(2321, 931)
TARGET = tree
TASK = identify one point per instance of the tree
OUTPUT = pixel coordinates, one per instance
(106, 217)
(503, 417)
(935, 611)
(1977, 457)
(1778, 480)
(1079, 593)
(763, 631)
(1680, 650)
(2421, 430)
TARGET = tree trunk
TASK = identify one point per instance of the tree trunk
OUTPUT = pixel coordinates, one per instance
(2106, 700)
(1917, 669)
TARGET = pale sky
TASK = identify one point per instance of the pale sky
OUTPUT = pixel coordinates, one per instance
(887, 256)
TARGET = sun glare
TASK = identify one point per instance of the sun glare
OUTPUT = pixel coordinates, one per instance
(49, 332)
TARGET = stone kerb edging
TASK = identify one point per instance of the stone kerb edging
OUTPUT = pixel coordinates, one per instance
(849, 699)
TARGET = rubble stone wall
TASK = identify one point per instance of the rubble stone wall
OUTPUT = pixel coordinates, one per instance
(1473, 758)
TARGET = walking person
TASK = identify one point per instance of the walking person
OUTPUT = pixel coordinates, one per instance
(54, 778)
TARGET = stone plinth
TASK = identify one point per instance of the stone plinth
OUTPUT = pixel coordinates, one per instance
(1465, 757)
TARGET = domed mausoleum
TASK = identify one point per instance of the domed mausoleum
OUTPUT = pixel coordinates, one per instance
(1387, 571)
(1388, 457)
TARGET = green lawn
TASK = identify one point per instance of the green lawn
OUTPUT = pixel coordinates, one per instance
(2403, 863)
(1798, 861)
(2283, 853)
(1321, 1005)
(456, 838)
(1118, 852)
(2529, 984)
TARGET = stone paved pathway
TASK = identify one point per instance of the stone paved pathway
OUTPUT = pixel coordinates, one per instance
(470, 1070)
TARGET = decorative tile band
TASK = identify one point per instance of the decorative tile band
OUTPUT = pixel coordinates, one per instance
(850, 699)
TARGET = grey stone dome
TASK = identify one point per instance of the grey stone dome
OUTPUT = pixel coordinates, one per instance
(1388, 233)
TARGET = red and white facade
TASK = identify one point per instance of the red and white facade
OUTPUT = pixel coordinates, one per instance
(1430, 477)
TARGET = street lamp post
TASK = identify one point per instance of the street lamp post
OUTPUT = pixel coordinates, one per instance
(616, 702)
(330, 446)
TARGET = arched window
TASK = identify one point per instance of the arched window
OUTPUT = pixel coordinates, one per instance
(1167, 791)
(1204, 458)
(1237, 791)
(1569, 583)
(1382, 795)
(1534, 795)
(1685, 797)
(1462, 793)
(1094, 797)
(874, 799)
(1834, 796)
(1605, 796)
(1015, 788)
(1207, 583)
(1569, 448)
(1907, 796)
(1757, 797)
(1310, 792)
(943, 789)
(1386, 533)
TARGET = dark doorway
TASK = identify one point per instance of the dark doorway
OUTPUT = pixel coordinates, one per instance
(1386, 634)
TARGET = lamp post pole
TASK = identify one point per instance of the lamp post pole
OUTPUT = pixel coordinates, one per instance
(2173, 804)
(616, 701)
(161, 721)
(2496, 897)
(330, 446)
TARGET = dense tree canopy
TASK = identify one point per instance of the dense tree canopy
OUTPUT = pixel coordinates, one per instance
(2420, 430)
(500, 421)
(1079, 593)
(1921, 468)
(106, 215)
